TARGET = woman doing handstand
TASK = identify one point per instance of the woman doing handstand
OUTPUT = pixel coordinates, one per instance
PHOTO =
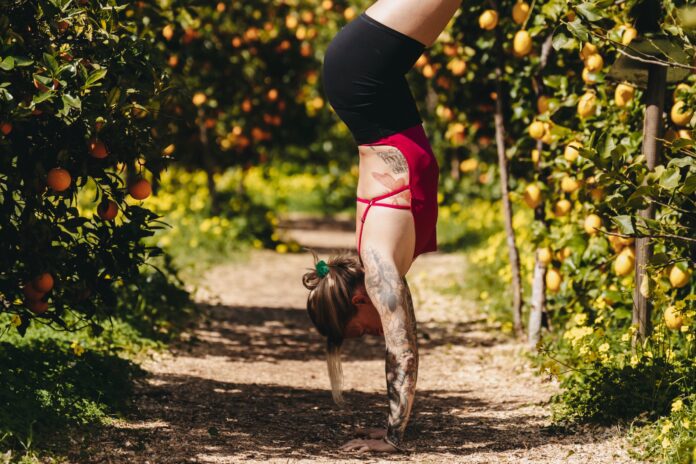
(363, 77)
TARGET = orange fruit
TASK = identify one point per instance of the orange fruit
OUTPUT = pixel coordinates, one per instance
(97, 148)
(140, 189)
(37, 307)
(168, 32)
(107, 210)
(58, 179)
(30, 293)
(6, 128)
(43, 282)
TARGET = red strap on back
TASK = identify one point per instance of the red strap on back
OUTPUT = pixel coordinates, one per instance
(374, 202)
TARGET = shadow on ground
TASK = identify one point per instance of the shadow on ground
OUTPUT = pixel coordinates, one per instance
(260, 422)
(183, 417)
(245, 333)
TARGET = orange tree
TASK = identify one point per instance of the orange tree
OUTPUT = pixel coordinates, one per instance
(248, 79)
(78, 87)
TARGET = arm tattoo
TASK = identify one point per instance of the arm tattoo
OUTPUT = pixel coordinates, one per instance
(394, 158)
(391, 296)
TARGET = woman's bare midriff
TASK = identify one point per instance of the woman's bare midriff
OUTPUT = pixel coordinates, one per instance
(382, 169)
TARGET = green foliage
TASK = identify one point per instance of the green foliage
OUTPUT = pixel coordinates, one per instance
(604, 393)
(47, 386)
(74, 75)
(672, 439)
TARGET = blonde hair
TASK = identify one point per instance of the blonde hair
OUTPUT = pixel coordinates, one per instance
(330, 307)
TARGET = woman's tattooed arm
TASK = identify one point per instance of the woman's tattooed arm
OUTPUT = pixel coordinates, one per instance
(391, 296)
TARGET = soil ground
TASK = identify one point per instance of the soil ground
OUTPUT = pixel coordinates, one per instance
(249, 384)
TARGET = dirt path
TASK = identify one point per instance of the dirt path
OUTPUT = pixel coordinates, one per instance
(250, 384)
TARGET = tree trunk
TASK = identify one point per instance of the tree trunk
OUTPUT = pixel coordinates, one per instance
(652, 130)
(537, 313)
(504, 188)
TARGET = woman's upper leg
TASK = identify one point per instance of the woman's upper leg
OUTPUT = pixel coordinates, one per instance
(422, 20)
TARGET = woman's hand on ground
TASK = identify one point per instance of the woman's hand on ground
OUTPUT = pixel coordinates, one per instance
(373, 433)
(361, 445)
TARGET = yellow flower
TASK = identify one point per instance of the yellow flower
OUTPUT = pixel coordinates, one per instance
(677, 405)
(16, 320)
(603, 348)
(666, 427)
(626, 337)
(483, 295)
(686, 423)
(666, 443)
(282, 248)
(580, 319)
(77, 348)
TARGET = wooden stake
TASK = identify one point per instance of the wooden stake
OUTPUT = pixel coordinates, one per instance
(652, 130)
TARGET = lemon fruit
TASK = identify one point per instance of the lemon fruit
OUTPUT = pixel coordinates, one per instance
(569, 184)
(594, 62)
(587, 50)
(587, 105)
(623, 95)
(679, 278)
(572, 151)
(623, 264)
(679, 115)
(520, 11)
(562, 207)
(673, 319)
(592, 224)
(522, 43)
(532, 195)
(544, 255)
(553, 280)
(628, 35)
(488, 20)
(536, 130)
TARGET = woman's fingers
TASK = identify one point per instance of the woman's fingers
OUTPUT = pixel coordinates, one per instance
(353, 444)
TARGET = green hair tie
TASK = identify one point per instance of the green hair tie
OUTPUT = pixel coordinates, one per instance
(322, 268)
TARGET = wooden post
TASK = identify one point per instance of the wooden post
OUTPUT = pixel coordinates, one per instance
(538, 306)
(504, 187)
(652, 130)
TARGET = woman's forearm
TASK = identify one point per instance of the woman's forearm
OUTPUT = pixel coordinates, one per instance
(391, 296)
